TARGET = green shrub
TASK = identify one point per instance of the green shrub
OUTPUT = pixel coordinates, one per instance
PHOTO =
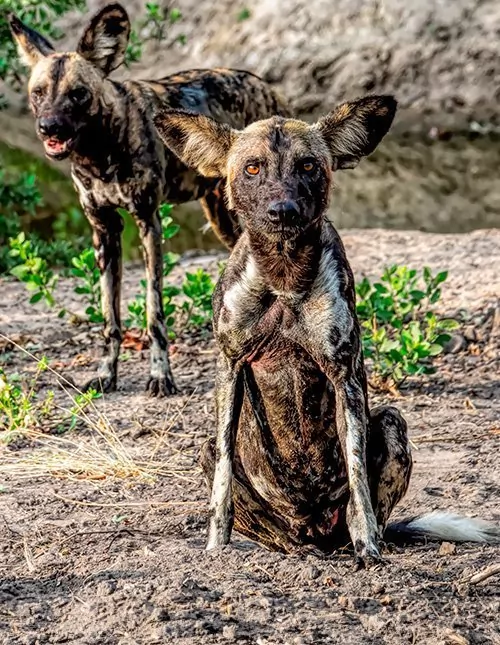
(40, 15)
(88, 275)
(198, 288)
(18, 196)
(23, 410)
(400, 332)
(33, 271)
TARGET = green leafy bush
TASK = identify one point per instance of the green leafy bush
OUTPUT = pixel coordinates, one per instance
(198, 288)
(18, 196)
(23, 409)
(400, 332)
(87, 273)
(33, 271)
(150, 27)
(40, 15)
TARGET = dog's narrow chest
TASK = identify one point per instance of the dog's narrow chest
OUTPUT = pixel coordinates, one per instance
(102, 191)
(259, 318)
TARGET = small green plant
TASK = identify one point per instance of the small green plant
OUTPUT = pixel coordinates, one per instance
(19, 195)
(19, 407)
(168, 227)
(16, 407)
(244, 14)
(20, 198)
(174, 15)
(23, 410)
(33, 271)
(85, 269)
(133, 53)
(80, 402)
(137, 317)
(401, 333)
(150, 27)
(198, 288)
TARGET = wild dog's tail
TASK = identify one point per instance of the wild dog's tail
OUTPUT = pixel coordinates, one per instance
(440, 525)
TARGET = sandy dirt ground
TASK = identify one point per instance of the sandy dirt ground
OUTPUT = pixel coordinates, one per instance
(121, 561)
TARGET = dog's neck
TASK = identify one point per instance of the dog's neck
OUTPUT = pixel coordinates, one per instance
(103, 143)
(287, 265)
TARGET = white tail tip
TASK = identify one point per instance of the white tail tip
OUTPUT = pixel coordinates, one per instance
(454, 528)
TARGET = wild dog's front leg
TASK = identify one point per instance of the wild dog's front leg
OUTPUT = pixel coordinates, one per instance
(107, 228)
(161, 382)
(353, 430)
(344, 369)
(229, 396)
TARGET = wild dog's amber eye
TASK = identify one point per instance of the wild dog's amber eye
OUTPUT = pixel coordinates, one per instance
(252, 169)
(308, 166)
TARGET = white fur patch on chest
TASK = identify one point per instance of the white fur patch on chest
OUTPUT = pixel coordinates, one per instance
(104, 194)
(244, 290)
(327, 307)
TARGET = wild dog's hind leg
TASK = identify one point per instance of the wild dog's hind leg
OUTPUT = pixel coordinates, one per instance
(389, 461)
(161, 381)
(107, 228)
(222, 220)
(252, 517)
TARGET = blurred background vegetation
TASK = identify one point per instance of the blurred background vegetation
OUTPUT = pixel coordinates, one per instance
(437, 171)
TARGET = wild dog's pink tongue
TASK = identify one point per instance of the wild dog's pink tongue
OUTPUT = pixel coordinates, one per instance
(55, 145)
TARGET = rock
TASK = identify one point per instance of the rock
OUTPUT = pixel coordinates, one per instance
(343, 601)
(456, 344)
(378, 588)
(311, 573)
(447, 548)
(229, 633)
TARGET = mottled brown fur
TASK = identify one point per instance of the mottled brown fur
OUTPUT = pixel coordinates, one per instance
(300, 462)
(299, 453)
(105, 128)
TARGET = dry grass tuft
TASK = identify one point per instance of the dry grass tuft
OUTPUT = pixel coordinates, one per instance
(100, 456)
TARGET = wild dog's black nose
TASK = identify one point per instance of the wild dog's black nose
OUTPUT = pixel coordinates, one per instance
(51, 126)
(285, 212)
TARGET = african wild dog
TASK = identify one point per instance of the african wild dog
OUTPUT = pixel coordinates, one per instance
(105, 129)
(298, 452)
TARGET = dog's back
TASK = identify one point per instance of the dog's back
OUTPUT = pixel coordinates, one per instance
(231, 96)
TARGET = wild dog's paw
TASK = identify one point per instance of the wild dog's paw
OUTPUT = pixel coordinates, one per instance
(219, 528)
(217, 549)
(101, 384)
(161, 387)
(366, 555)
(216, 540)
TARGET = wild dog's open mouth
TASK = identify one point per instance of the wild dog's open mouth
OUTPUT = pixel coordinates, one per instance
(56, 148)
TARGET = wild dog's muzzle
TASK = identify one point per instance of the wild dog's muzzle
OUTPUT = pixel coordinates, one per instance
(57, 134)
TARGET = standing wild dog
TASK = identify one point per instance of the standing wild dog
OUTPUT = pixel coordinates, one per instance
(117, 159)
(298, 455)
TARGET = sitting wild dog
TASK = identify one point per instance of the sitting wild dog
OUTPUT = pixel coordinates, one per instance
(105, 129)
(300, 460)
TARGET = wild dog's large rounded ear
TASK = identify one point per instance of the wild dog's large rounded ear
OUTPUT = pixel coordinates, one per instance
(31, 45)
(104, 41)
(353, 130)
(198, 141)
